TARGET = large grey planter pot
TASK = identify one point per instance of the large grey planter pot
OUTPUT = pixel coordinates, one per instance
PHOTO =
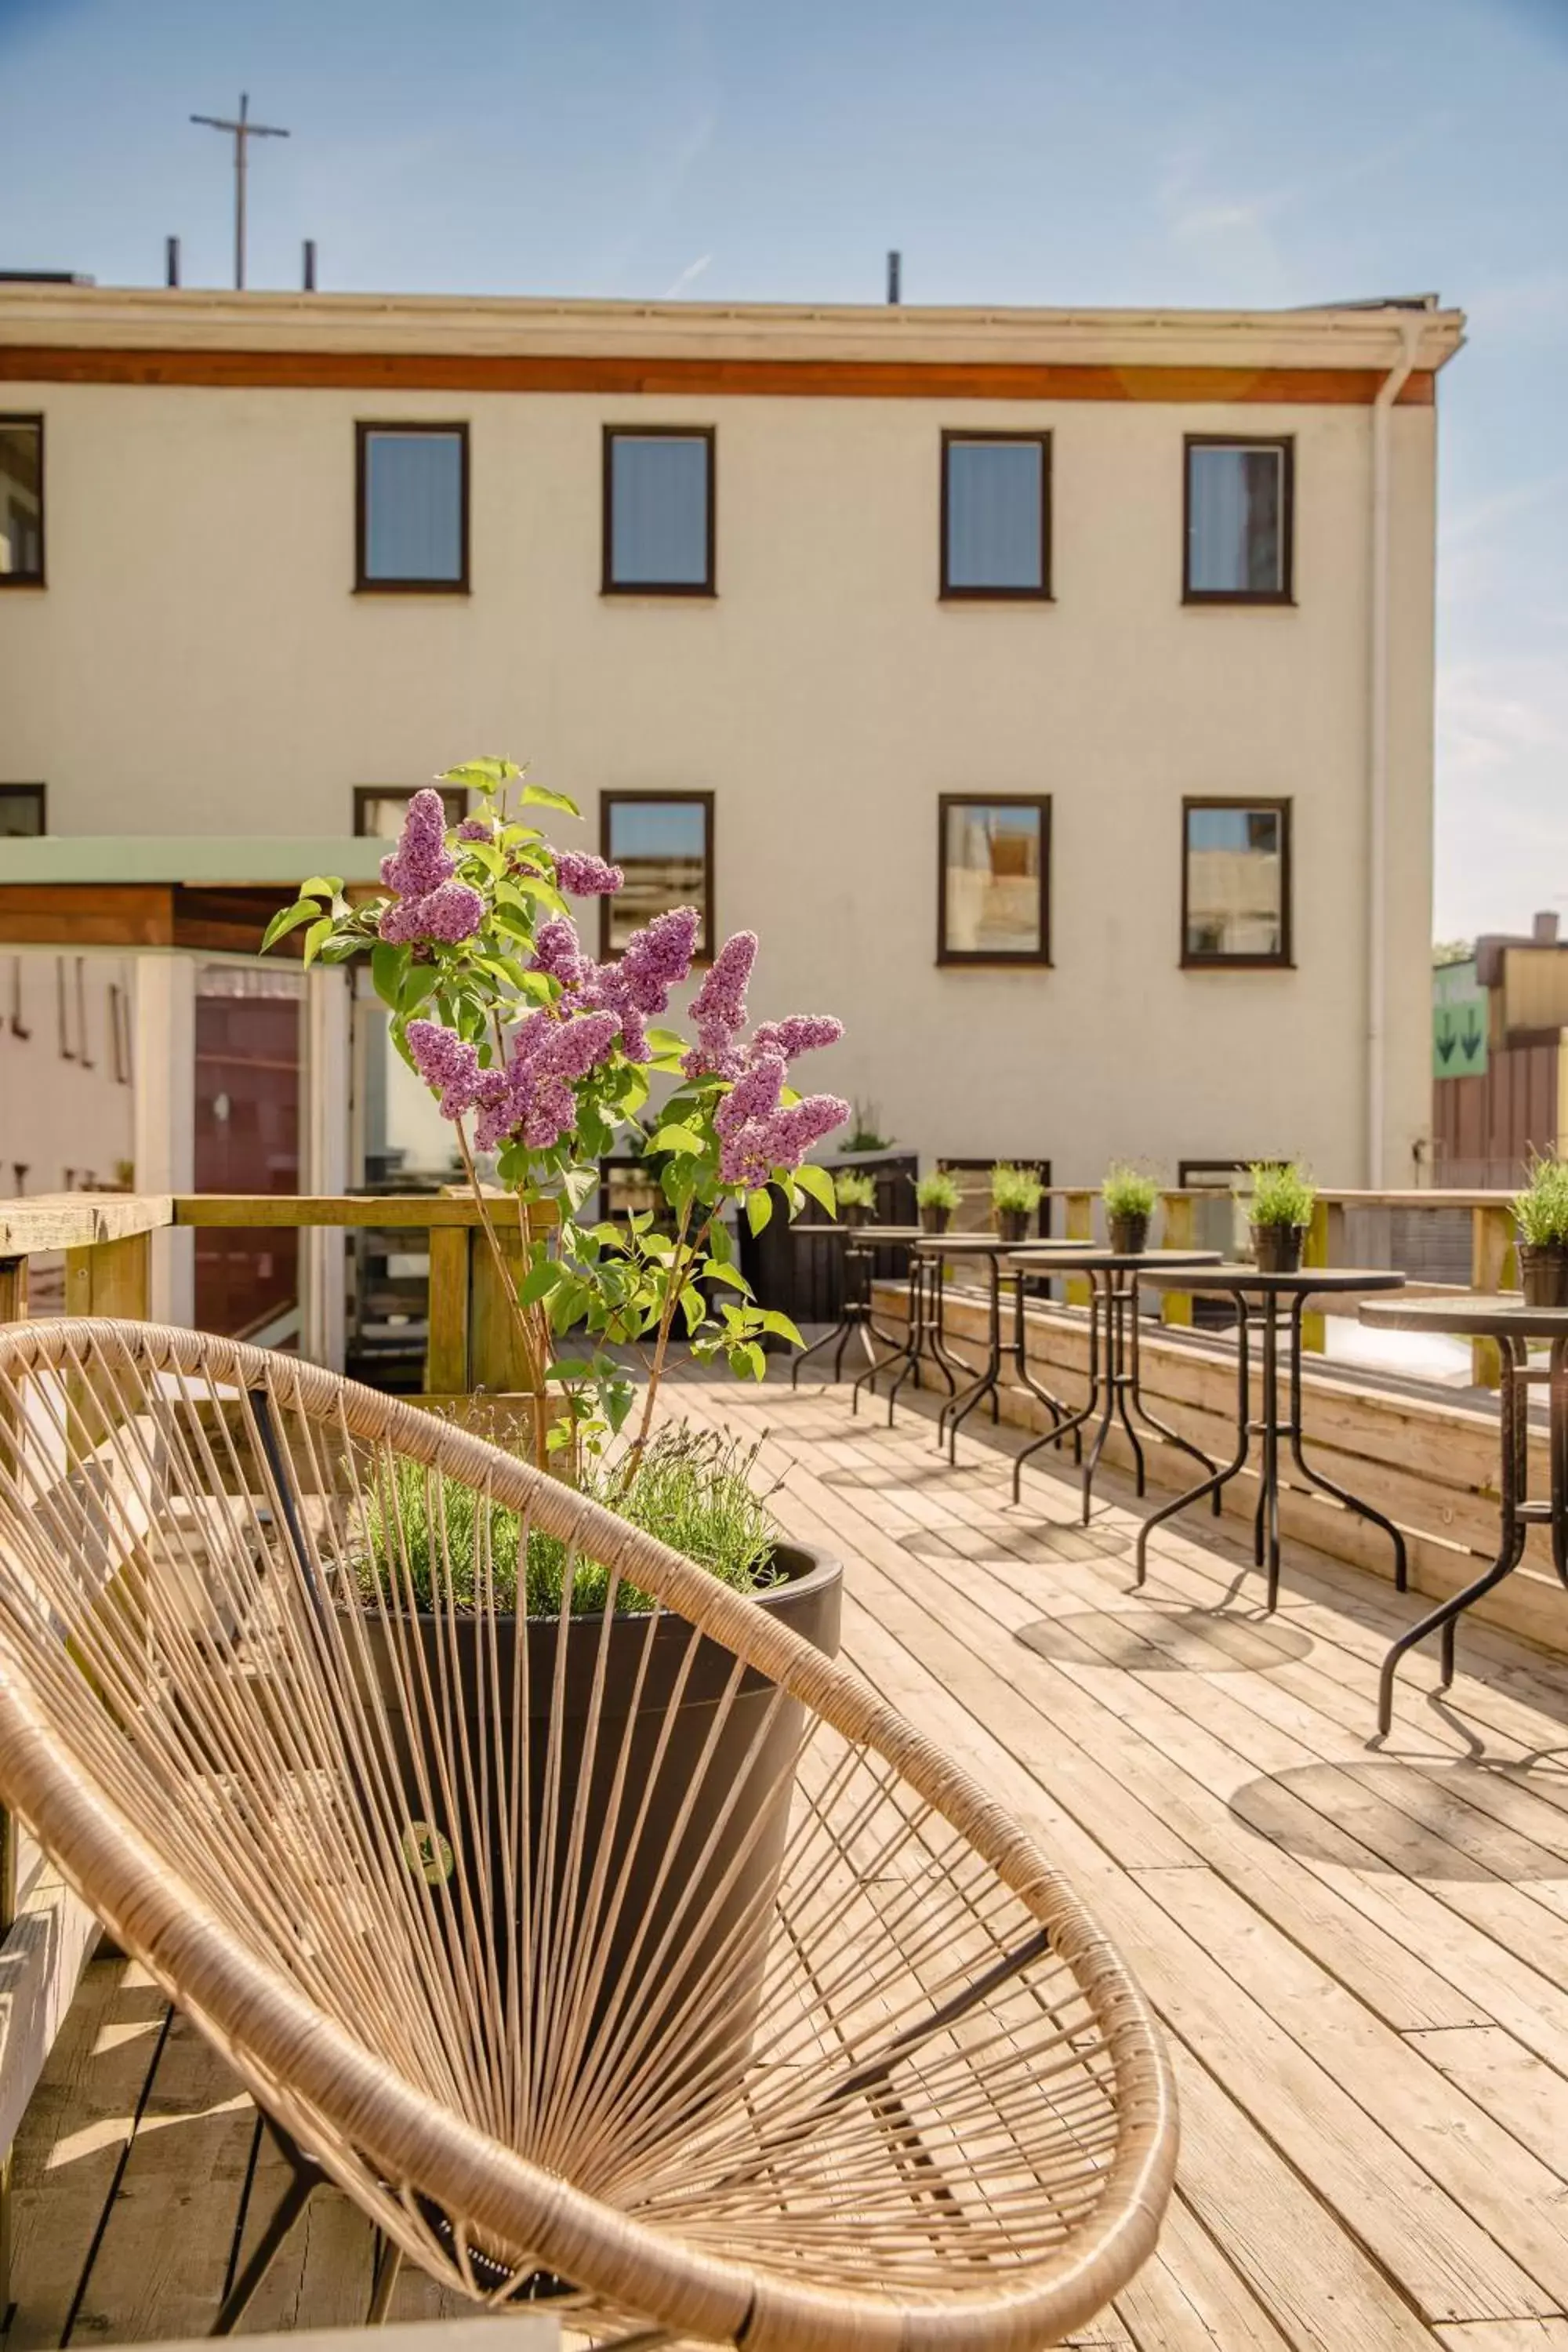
(669, 1879)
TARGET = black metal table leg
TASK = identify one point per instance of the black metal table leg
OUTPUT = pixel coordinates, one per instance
(1268, 1491)
(958, 1409)
(1025, 1377)
(1315, 1477)
(1221, 1477)
(1514, 1419)
(1151, 1420)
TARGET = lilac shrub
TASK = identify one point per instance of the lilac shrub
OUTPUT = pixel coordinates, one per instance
(543, 1058)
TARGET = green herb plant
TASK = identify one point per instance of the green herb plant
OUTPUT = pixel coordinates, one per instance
(1015, 1188)
(1281, 1194)
(1541, 1211)
(939, 1190)
(1128, 1192)
(854, 1189)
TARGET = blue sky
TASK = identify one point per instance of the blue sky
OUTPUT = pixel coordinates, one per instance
(1207, 151)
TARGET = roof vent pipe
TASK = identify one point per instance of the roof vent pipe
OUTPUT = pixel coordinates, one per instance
(171, 261)
(895, 264)
(1544, 929)
(308, 277)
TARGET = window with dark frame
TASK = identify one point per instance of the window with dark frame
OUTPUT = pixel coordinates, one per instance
(379, 809)
(1236, 882)
(412, 503)
(659, 502)
(23, 812)
(663, 843)
(1238, 502)
(997, 515)
(21, 501)
(994, 856)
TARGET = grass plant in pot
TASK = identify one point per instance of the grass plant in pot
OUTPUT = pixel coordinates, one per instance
(1540, 1217)
(1016, 1194)
(936, 1197)
(857, 1194)
(1129, 1197)
(1281, 1206)
(545, 1062)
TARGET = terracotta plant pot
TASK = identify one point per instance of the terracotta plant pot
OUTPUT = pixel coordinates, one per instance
(1012, 1224)
(1128, 1233)
(1277, 1249)
(1543, 1273)
(934, 1220)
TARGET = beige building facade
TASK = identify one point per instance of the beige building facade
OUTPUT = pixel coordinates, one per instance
(1052, 691)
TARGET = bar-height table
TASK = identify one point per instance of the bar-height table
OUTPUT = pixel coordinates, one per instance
(1513, 1326)
(1261, 1299)
(1114, 1376)
(854, 1297)
(990, 1250)
(924, 1325)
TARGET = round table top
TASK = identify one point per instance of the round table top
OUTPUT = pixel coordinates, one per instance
(966, 1244)
(883, 1236)
(1469, 1317)
(1305, 1279)
(1089, 1257)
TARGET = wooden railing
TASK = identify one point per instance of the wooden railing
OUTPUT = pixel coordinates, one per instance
(471, 1334)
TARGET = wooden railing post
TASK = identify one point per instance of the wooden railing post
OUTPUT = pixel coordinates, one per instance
(446, 1337)
(1080, 1227)
(1181, 1232)
(1315, 1252)
(1494, 1266)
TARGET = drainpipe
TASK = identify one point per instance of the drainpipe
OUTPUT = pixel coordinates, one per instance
(1388, 392)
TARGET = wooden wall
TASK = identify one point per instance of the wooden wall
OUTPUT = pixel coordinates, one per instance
(1484, 1128)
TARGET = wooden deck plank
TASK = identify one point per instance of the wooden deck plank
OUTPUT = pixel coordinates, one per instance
(169, 2234)
(73, 2139)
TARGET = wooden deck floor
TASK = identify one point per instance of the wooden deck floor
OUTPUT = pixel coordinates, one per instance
(1361, 1956)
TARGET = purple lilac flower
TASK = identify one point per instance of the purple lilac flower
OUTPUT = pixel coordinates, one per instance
(532, 1097)
(753, 1096)
(803, 1033)
(420, 863)
(753, 1150)
(586, 877)
(723, 995)
(476, 828)
(446, 915)
(448, 1064)
(656, 960)
(558, 951)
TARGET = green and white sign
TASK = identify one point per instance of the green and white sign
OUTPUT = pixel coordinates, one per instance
(1459, 1017)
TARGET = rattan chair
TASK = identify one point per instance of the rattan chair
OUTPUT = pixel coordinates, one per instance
(887, 2086)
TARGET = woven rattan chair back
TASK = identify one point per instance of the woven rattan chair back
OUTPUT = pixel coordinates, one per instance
(846, 2066)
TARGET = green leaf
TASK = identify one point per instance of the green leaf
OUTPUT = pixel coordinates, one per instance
(666, 1041)
(545, 894)
(303, 911)
(322, 885)
(676, 1138)
(419, 983)
(316, 938)
(569, 1367)
(731, 1274)
(772, 1319)
(577, 1183)
(386, 964)
(759, 1208)
(483, 775)
(818, 1183)
(540, 796)
(691, 1307)
(539, 1281)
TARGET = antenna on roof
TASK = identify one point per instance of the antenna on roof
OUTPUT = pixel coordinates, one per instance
(244, 131)
(895, 267)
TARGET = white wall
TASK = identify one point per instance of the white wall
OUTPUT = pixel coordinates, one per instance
(201, 564)
(66, 1082)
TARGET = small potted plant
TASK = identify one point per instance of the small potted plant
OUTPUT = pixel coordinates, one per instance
(1129, 1199)
(936, 1196)
(1541, 1214)
(857, 1196)
(1282, 1201)
(1016, 1194)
